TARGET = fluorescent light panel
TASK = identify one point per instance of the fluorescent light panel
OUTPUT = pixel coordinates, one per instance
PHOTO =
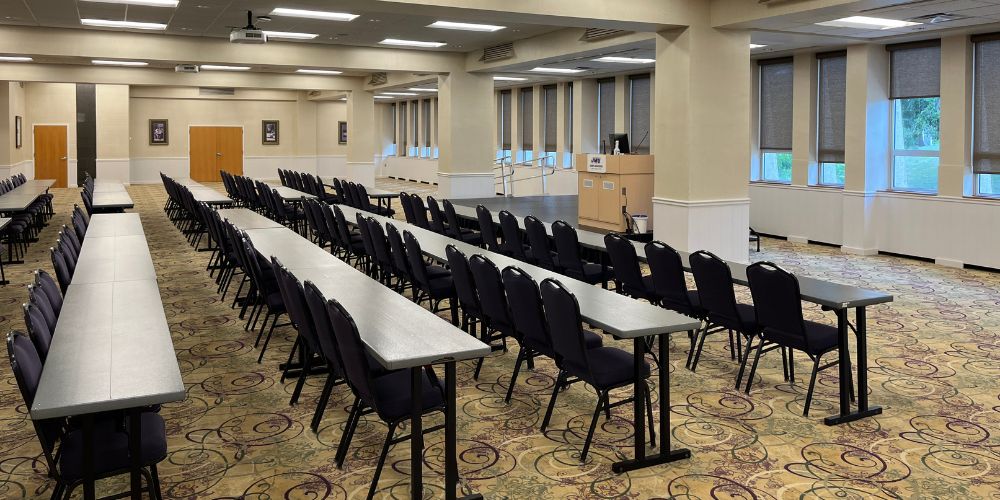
(757, 46)
(422, 89)
(105, 62)
(400, 93)
(448, 25)
(215, 67)
(314, 14)
(863, 22)
(15, 59)
(148, 3)
(104, 23)
(625, 60)
(318, 71)
(555, 70)
(290, 35)
(412, 43)
(508, 79)
(381, 97)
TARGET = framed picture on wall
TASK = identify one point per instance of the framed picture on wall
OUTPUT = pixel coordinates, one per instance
(17, 132)
(159, 134)
(269, 132)
(342, 132)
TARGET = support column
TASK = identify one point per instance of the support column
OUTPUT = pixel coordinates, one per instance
(307, 134)
(804, 167)
(465, 164)
(701, 189)
(562, 94)
(866, 144)
(585, 116)
(361, 138)
(955, 169)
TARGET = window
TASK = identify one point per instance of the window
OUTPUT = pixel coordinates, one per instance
(831, 107)
(569, 117)
(915, 88)
(986, 115)
(427, 124)
(416, 128)
(392, 120)
(527, 133)
(402, 129)
(503, 122)
(550, 117)
(776, 119)
(605, 113)
(638, 127)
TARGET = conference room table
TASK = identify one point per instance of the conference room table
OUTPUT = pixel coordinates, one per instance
(109, 195)
(245, 219)
(398, 333)
(111, 350)
(204, 194)
(382, 197)
(291, 195)
(618, 315)
(829, 295)
(20, 198)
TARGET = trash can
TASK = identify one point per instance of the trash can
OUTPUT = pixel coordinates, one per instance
(641, 223)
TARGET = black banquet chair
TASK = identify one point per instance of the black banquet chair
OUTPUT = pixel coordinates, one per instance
(722, 311)
(568, 248)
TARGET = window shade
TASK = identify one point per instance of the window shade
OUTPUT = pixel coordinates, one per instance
(915, 70)
(505, 125)
(550, 118)
(527, 96)
(427, 122)
(402, 128)
(392, 114)
(415, 114)
(569, 116)
(639, 113)
(986, 113)
(832, 105)
(776, 104)
(605, 111)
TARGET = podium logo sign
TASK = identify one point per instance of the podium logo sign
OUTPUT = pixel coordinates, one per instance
(597, 164)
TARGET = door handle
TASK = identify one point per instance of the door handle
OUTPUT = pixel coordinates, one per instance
(63, 158)
(218, 155)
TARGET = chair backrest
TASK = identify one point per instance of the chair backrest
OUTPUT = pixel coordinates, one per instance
(562, 315)
(254, 265)
(776, 299)
(70, 236)
(352, 352)
(715, 285)
(400, 261)
(27, 368)
(316, 304)
(512, 245)
(404, 199)
(63, 273)
(307, 210)
(366, 237)
(667, 271)
(47, 285)
(342, 229)
(415, 258)
(487, 229)
(364, 202)
(461, 275)
(628, 275)
(38, 329)
(419, 212)
(39, 300)
(383, 255)
(281, 176)
(538, 240)
(526, 311)
(338, 188)
(437, 218)
(330, 220)
(492, 297)
(294, 297)
(567, 246)
(454, 227)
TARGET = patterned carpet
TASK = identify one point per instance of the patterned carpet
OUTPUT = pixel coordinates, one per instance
(934, 356)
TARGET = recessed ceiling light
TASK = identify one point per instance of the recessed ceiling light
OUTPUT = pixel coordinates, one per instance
(399, 93)
(104, 23)
(211, 67)
(422, 89)
(15, 59)
(148, 3)
(383, 97)
(508, 79)
(863, 22)
(555, 70)
(412, 43)
(448, 25)
(319, 71)
(757, 46)
(314, 14)
(342, 99)
(625, 60)
(105, 62)
(290, 35)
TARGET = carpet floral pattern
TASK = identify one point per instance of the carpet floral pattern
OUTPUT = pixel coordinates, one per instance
(934, 364)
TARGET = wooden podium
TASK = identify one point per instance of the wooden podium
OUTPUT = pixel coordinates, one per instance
(609, 182)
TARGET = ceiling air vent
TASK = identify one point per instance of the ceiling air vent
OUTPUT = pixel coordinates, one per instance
(498, 52)
(216, 91)
(379, 78)
(938, 18)
(592, 34)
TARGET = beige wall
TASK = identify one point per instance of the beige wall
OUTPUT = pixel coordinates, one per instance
(50, 104)
(112, 104)
(328, 114)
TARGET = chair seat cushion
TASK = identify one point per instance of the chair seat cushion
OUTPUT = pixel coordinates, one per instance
(437, 272)
(592, 340)
(111, 447)
(747, 322)
(612, 367)
(392, 394)
(821, 338)
(442, 287)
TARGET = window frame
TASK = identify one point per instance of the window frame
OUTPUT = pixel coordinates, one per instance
(921, 153)
(763, 153)
(821, 166)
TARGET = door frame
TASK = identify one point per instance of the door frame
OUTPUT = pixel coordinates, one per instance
(70, 158)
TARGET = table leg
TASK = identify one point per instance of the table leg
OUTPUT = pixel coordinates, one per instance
(88, 457)
(665, 455)
(846, 415)
(416, 433)
(451, 437)
(135, 451)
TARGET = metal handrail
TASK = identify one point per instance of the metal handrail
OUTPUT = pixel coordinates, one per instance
(507, 181)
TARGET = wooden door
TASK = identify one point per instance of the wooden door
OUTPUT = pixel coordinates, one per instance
(203, 141)
(50, 153)
(229, 146)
